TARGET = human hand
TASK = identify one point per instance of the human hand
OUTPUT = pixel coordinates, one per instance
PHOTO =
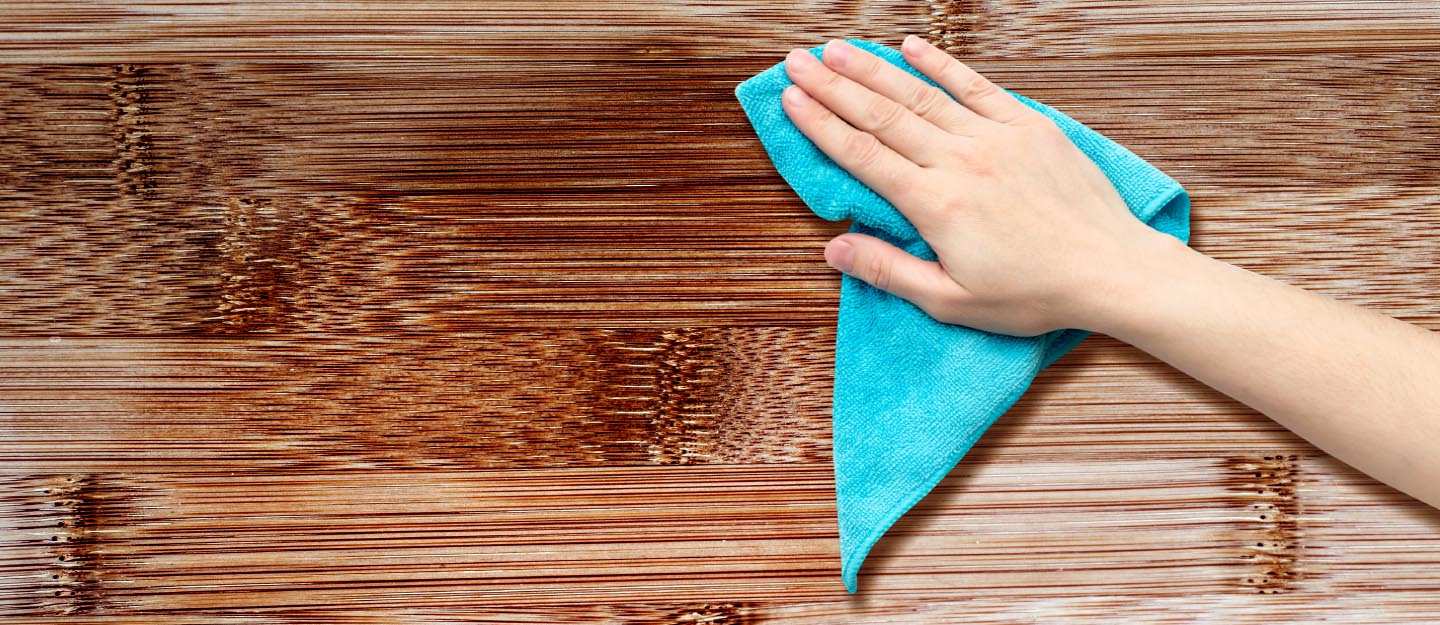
(1030, 234)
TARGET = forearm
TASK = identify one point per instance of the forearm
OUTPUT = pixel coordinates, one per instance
(1361, 386)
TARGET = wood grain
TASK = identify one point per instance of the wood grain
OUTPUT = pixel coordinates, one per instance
(162, 30)
(763, 534)
(1185, 28)
(542, 399)
(80, 31)
(639, 198)
(496, 312)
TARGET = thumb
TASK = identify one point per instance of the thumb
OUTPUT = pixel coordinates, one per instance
(891, 269)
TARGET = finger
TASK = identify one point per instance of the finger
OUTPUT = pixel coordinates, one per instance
(922, 98)
(860, 153)
(888, 268)
(976, 92)
(886, 119)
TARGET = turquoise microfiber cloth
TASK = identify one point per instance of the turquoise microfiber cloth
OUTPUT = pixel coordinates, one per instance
(912, 394)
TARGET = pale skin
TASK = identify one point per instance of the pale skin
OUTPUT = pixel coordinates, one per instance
(1032, 237)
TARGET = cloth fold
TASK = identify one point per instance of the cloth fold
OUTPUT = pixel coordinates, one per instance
(912, 395)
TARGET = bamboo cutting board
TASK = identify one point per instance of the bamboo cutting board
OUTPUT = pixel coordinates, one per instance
(496, 312)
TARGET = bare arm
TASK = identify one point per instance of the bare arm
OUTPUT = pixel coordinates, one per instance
(1032, 237)
(1361, 386)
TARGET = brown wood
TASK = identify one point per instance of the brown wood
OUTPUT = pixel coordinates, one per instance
(1035, 534)
(509, 399)
(496, 312)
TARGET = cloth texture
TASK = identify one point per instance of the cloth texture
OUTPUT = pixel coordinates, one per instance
(912, 395)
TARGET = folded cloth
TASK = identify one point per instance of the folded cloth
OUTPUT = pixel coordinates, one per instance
(912, 394)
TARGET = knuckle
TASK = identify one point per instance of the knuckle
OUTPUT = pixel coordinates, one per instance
(882, 113)
(952, 205)
(822, 115)
(904, 182)
(865, 67)
(1043, 133)
(863, 149)
(970, 156)
(1042, 124)
(879, 272)
(830, 81)
(1047, 130)
(963, 151)
(926, 101)
(906, 185)
(978, 87)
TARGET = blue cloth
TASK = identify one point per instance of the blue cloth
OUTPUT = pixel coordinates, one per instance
(912, 394)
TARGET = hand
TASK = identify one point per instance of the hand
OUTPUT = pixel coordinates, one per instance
(1030, 234)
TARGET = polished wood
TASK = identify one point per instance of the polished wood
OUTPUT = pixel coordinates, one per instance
(496, 312)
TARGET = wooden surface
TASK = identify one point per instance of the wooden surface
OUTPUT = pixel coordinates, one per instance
(445, 312)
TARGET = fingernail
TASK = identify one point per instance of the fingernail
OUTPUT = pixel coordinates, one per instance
(800, 59)
(795, 95)
(837, 52)
(841, 255)
(914, 46)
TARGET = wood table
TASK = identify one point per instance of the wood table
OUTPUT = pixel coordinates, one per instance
(495, 311)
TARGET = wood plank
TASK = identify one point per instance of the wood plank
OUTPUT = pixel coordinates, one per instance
(162, 30)
(1153, 527)
(577, 397)
(450, 199)
(1189, 29)
(159, 30)
(1201, 608)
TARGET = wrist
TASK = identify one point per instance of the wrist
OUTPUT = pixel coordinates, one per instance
(1129, 296)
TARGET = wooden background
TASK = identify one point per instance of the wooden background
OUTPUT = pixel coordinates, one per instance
(485, 311)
